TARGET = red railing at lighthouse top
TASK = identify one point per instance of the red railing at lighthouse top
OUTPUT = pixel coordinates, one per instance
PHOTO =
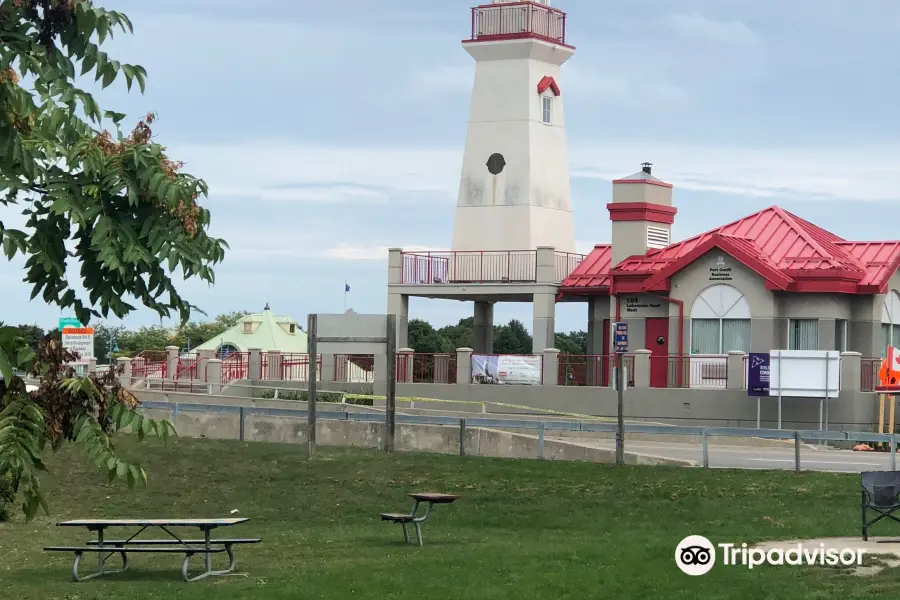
(516, 20)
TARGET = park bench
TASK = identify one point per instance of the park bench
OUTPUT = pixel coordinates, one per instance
(404, 519)
(105, 548)
(880, 494)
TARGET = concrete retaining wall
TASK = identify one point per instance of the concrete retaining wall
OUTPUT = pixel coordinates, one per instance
(420, 438)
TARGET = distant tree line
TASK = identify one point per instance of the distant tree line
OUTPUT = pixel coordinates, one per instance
(511, 338)
(132, 341)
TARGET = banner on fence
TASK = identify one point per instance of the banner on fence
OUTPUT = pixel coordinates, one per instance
(758, 374)
(507, 369)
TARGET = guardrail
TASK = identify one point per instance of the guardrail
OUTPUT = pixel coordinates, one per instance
(542, 427)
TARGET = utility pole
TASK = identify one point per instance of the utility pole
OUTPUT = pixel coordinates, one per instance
(621, 338)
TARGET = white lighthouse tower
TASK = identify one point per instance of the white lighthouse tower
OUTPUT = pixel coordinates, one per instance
(514, 189)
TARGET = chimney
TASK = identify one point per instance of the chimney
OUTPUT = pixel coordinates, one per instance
(642, 214)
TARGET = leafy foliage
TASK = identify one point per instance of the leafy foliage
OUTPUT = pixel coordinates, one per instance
(512, 338)
(64, 408)
(113, 202)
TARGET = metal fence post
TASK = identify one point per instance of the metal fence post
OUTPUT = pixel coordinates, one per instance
(241, 416)
(462, 437)
(705, 448)
(541, 441)
(312, 333)
(893, 453)
(797, 451)
(390, 394)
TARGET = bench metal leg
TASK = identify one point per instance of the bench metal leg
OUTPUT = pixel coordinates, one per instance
(185, 566)
(103, 570)
(418, 532)
(405, 533)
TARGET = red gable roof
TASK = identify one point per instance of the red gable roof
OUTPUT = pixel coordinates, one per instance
(593, 272)
(546, 83)
(790, 253)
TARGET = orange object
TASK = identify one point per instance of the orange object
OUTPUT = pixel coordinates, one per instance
(862, 448)
(889, 373)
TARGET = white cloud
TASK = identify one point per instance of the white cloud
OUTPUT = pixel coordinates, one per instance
(304, 193)
(349, 252)
(697, 26)
(643, 89)
(847, 173)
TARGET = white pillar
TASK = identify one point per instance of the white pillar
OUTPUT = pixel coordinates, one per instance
(254, 365)
(124, 367)
(550, 367)
(851, 371)
(734, 370)
(641, 368)
(171, 362)
(405, 365)
(214, 376)
(464, 366)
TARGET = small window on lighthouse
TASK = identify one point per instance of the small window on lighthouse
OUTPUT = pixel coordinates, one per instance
(546, 109)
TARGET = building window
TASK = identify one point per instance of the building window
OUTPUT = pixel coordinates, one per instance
(720, 321)
(225, 350)
(547, 109)
(890, 322)
(803, 334)
(840, 335)
(248, 327)
(293, 328)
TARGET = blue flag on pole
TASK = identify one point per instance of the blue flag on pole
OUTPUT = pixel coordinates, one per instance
(346, 287)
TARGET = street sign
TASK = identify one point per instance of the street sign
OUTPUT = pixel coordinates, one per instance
(80, 340)
(621, 336)
(68, 322)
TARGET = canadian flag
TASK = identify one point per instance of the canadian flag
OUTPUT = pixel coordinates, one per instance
(889, 374)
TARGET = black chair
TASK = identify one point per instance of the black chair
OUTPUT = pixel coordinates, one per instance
(881, 494)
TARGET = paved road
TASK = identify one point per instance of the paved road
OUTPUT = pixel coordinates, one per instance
(739, 457)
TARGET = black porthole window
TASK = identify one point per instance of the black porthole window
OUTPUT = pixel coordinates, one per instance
(495, 163)
(660, 340)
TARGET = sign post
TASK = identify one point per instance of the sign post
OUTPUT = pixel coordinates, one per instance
(758, 379)
(621, 340)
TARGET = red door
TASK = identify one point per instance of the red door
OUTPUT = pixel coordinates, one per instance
(656, 338)
(605, 359)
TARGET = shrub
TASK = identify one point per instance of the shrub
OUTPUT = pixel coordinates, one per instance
(7, 495)
(300, 395)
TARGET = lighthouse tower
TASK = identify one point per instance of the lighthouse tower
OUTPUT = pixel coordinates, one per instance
(514, 188)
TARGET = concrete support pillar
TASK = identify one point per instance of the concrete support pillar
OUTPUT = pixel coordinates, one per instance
(550, 367)
(851, 371)
(395, 266)
(398, 304)
(203, 358)
(328, 367)
(544, 328)
(463, 366)
(598, 311)
(483, 328)
(406, 358)
(442, 369)
(734, 370)
(545, 267)
(641, 368)
(171, 362)
(124, 367)
(273, 365)
(214, 376)
(254, 364)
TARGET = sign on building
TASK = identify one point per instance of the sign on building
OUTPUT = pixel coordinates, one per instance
(79, 340)
(507, 369)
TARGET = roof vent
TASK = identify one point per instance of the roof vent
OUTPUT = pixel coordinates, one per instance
(646, 167)
(267, 306)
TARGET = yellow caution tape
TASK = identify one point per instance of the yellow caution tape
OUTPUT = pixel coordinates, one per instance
(500, 404)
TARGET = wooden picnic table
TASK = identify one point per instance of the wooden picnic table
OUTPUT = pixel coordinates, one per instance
(174, 543)
(431, 498)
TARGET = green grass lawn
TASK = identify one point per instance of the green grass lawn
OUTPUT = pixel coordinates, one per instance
(523, 529)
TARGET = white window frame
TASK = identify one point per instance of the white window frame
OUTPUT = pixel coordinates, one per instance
(706, 308)
(547, 110)
(790, 337)
(248, 327)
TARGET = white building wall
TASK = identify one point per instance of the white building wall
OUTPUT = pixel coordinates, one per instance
(527, 204)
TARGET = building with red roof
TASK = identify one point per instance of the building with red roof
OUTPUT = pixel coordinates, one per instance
(769, 280)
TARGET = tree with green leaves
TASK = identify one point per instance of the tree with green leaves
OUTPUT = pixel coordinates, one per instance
(110, 205)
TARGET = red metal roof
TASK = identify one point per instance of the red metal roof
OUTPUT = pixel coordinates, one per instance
(593, 272)
(789, 252)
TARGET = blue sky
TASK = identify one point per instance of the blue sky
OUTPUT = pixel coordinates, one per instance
(331, 131)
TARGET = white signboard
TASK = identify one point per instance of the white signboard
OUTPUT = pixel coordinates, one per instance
(805, 373)
(507, 369)
(79, 340)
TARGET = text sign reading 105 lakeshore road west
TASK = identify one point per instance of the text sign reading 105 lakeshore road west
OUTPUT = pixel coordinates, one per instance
(79, 340)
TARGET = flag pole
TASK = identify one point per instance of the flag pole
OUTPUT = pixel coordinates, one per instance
(345, 295)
